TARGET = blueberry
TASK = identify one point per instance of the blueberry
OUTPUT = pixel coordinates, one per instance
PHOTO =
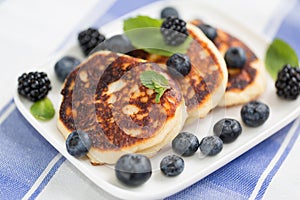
(117, 43)
(133, 169)
(179, 65)
(168, 12)
(172, 165)
(235, 57)
(211, 145)
(255, 113)
(227, 129)
(64, 66)
(78, 143)
(185, 144)
(209, 31)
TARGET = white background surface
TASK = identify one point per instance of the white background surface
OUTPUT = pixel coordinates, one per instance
(31, 30)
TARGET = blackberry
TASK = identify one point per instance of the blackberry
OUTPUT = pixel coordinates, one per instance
(288, 82)
(174, 31)
(34, 85)
(89, 39)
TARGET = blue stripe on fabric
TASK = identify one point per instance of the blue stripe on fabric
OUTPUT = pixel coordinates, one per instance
(24, 155)
(279, 163)
(4, 109)
(289, 30)
(35, 158)
(48, 178)
(237, 179)
(119, 9)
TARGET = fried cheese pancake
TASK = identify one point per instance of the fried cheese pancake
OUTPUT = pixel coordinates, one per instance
(204, 86)
(244, 84)
(104, 97)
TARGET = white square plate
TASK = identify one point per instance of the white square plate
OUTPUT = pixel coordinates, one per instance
(196, 167)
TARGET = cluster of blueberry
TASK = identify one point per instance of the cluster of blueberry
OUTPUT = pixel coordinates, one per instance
(136, 169)
(175, 32)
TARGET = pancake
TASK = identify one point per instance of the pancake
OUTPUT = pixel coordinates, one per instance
(204, 86)
(104, 97)
(243, 85)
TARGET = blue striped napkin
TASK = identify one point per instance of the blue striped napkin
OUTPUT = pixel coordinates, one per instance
(25, 154)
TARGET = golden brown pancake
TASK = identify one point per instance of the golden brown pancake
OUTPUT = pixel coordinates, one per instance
(205, 85)
(243, 85)
(104, 97)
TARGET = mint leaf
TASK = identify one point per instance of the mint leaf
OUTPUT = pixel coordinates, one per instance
(141, 22)
(278, 54)
(43, 109)
(144, 33)
(159, 94)
(155, 81)
(146, 79)
(160, 81)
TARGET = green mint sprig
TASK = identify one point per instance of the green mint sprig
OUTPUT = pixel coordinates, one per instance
(43, 109)
(278, 54)
(156, 82)
(144, 33)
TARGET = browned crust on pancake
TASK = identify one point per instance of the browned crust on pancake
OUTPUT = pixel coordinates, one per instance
(94, 68)
(85, 105)
(237, 79)
(203, 85)
(205, 76)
